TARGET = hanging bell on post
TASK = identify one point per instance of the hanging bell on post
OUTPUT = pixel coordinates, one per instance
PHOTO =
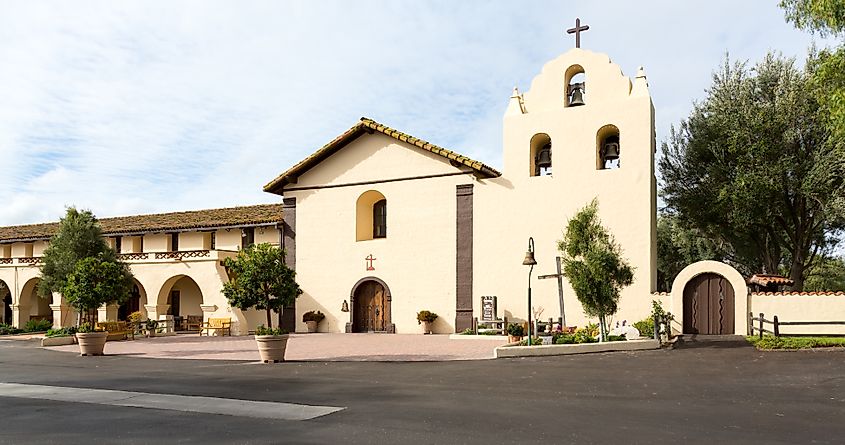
(610, 149)
(576, 94)
(544, 157)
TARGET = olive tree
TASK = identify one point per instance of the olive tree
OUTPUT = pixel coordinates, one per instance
(593, 264)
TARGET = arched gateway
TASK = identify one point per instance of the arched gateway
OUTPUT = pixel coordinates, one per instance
(709, 305)
(370, 312)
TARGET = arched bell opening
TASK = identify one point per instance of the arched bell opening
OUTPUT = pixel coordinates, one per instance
(540, 155)
(576, 86)
(607, 148)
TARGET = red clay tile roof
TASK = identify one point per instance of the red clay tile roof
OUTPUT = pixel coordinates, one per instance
(159, 222)
(765, 280)
(799, 294)
(366, 125)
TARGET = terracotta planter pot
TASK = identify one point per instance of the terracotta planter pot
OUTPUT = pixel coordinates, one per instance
(91, 343)
(312, 326)
(426, 327)
(272, 347)
(514, 338)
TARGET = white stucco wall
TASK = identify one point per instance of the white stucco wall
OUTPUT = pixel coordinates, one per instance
(227, 239)
(801, 307)
(416, 259)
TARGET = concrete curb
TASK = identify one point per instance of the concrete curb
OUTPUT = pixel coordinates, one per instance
(503, 338)
(547, 350)
(58, 341)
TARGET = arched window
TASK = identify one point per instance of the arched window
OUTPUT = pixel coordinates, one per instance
(576, 86)
(370, 216)
(607, 148)
(380, 219)
(540, 155)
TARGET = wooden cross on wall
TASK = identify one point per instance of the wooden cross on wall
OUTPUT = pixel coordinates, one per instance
(577, 31)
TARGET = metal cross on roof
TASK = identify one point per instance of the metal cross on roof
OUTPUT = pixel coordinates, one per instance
(577, 31)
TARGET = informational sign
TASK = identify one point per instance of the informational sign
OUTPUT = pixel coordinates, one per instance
(488, 308)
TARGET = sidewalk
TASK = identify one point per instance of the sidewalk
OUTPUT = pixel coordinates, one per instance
(311, 347)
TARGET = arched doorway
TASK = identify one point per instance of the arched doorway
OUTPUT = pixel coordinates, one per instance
(32, 306)
(6, 298)
(709, 305)
(371, 306)
(135, 303)
(184, 299)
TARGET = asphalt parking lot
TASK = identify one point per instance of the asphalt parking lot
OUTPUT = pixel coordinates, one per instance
(720, 392)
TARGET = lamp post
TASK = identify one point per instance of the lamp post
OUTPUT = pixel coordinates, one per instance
(529, 261)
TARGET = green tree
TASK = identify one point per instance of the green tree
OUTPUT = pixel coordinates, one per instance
(95, 282)
(829, 275)
(593, 263)
(79, 237)
(826, 17)
(753, 169)
(679, 246)
(259, 278)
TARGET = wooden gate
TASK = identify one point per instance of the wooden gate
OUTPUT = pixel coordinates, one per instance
(709, 305)
(372, 311)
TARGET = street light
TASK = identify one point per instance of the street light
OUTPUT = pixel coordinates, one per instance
(529, 261)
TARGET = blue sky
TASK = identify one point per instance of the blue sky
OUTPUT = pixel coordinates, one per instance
(137, 107)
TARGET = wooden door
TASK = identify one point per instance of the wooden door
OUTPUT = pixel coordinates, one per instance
(371, 312)
(709, 305)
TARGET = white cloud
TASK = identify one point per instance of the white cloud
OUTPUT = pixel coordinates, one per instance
(131, 107)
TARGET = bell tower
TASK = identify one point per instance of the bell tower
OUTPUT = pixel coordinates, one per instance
(582, 130)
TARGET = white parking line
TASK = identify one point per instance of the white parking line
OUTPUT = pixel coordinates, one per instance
(194, 404)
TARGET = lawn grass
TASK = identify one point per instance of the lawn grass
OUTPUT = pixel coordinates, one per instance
(769, 342)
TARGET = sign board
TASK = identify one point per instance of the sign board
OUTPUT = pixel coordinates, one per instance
(488, 308)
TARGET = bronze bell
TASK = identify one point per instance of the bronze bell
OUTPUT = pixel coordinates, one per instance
(610, 150)
(529, 259)
(544, 157)
(576, 94)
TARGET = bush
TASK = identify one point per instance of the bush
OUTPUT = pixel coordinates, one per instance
(8, 330)
(468, 331)
(85, 328)
(535, 341)
(37, 325)
(563, 339)
(772, 342)
(616, 338)
(313, 316)
(516, 330)
(263, 330)
(646, 328)
(61, 332)
(426, 316)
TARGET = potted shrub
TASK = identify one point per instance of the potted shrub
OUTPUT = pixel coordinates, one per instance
(426, 318)
(260, 279)
(515, 332)
(93, 283)
(152, 327)
(91, 341)
(272, 343)
(312, 319)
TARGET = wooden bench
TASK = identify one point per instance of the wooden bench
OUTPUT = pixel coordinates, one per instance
(192, 323)
(118, 330)
(221, 325)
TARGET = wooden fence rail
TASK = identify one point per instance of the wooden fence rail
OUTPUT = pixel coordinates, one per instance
(776, 324)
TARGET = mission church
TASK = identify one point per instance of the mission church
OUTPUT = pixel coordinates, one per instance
(380, 225)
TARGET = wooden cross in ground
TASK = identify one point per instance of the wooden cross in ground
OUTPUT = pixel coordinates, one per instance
(577, 31)
(559, 276)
